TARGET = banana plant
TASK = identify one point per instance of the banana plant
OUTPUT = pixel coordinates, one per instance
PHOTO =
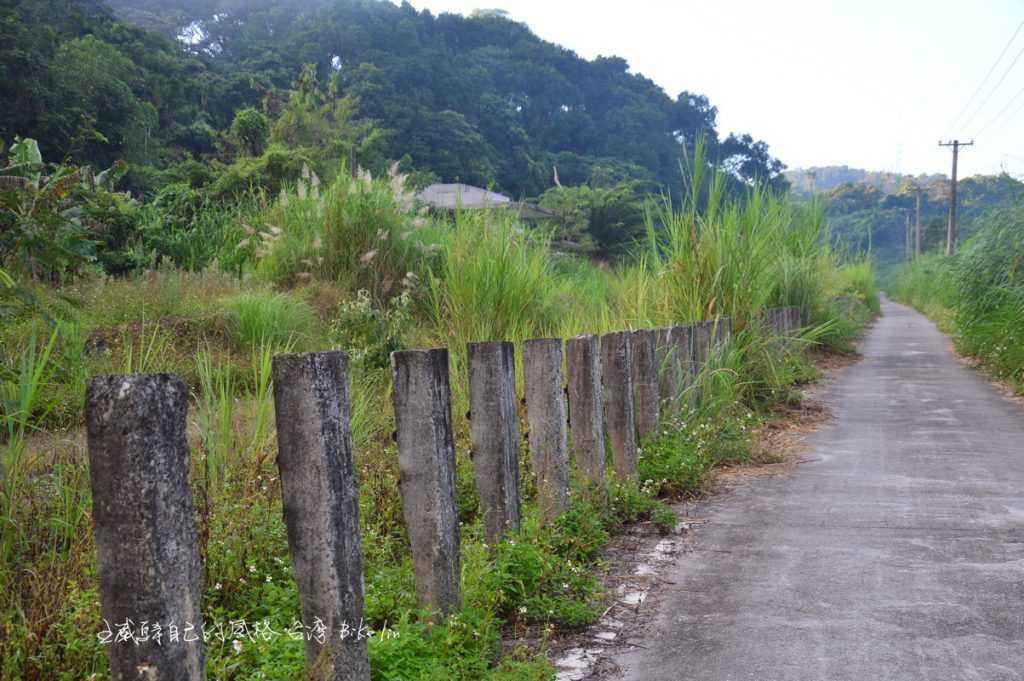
(41, 231)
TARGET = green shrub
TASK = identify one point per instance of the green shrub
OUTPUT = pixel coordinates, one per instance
(675, 463)
(369, 334)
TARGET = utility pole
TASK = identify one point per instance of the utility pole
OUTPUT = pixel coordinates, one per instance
(908, 250)
(951, 226)
(917, 223)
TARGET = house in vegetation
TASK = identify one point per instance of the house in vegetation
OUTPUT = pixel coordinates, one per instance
(449, 197)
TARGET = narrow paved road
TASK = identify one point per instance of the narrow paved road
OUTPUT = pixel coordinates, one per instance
(899, 555)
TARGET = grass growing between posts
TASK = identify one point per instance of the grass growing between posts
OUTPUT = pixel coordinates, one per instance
(352, 265)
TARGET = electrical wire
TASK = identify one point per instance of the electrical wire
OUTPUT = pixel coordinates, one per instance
(999, 115)
(985, 80)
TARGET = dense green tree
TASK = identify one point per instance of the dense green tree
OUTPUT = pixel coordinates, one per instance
(600, 221)
(250, 131)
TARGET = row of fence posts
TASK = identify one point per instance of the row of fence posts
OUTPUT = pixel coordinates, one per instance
(617, 389)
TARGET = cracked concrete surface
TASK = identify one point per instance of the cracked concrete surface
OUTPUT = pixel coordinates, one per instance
(898, 555)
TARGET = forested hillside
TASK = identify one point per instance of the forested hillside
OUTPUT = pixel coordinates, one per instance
(827, 178)
(480, 99)
(864, 216)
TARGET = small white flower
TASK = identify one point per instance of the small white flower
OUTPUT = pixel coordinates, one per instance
(237, 645)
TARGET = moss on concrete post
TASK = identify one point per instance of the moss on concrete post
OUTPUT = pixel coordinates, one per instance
(646, 399)
(619, 417)
(321, 508)
(144, 526)
(494, 431)
(546, 414)
(421, 394)
(586, 414)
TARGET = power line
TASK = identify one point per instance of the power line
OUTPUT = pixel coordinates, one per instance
(987, 75)
(1012, 116)
(999, 115)
(995, 88)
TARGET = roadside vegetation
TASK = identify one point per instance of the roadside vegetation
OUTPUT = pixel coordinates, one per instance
(977, 295)
(353, 263)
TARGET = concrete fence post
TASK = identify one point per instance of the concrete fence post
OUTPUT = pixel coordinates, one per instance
(586, 414)
(670, 371)
(646, 400)
(494, 432)
(421, 394)
(544, 390)
(778, 321)
(617, 386)
(144, 525)
(683, 337)
(723, 330)
(321, 507)
(702, 343)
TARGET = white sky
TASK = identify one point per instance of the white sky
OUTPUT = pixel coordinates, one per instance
(866, 83)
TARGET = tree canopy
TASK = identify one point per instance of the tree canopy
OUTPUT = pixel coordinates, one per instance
(478, 99)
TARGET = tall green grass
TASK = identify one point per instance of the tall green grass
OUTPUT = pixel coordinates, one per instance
(20, 399)
(496, 281)
(978, 294)
(716, 255)
(261, 318)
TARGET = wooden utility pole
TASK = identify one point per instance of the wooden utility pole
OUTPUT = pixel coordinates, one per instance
(917, 223)
(951, 226)
(908, 249)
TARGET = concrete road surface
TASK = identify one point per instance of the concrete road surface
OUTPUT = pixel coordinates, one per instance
(899, 555)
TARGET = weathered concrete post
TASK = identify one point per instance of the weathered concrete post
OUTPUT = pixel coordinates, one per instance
(144, 524)
(670, 381)
(321, 507)
(546, 414)
(684, 339)
(586, 414)
(422, 398)
(494, 432)
(646, 401)
(617, 385)
(723, 330)
(701, 344)
(701, 356)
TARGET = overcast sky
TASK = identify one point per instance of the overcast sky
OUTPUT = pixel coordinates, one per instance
(866, 83)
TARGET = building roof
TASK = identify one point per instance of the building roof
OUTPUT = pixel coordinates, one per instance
(452, 196)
